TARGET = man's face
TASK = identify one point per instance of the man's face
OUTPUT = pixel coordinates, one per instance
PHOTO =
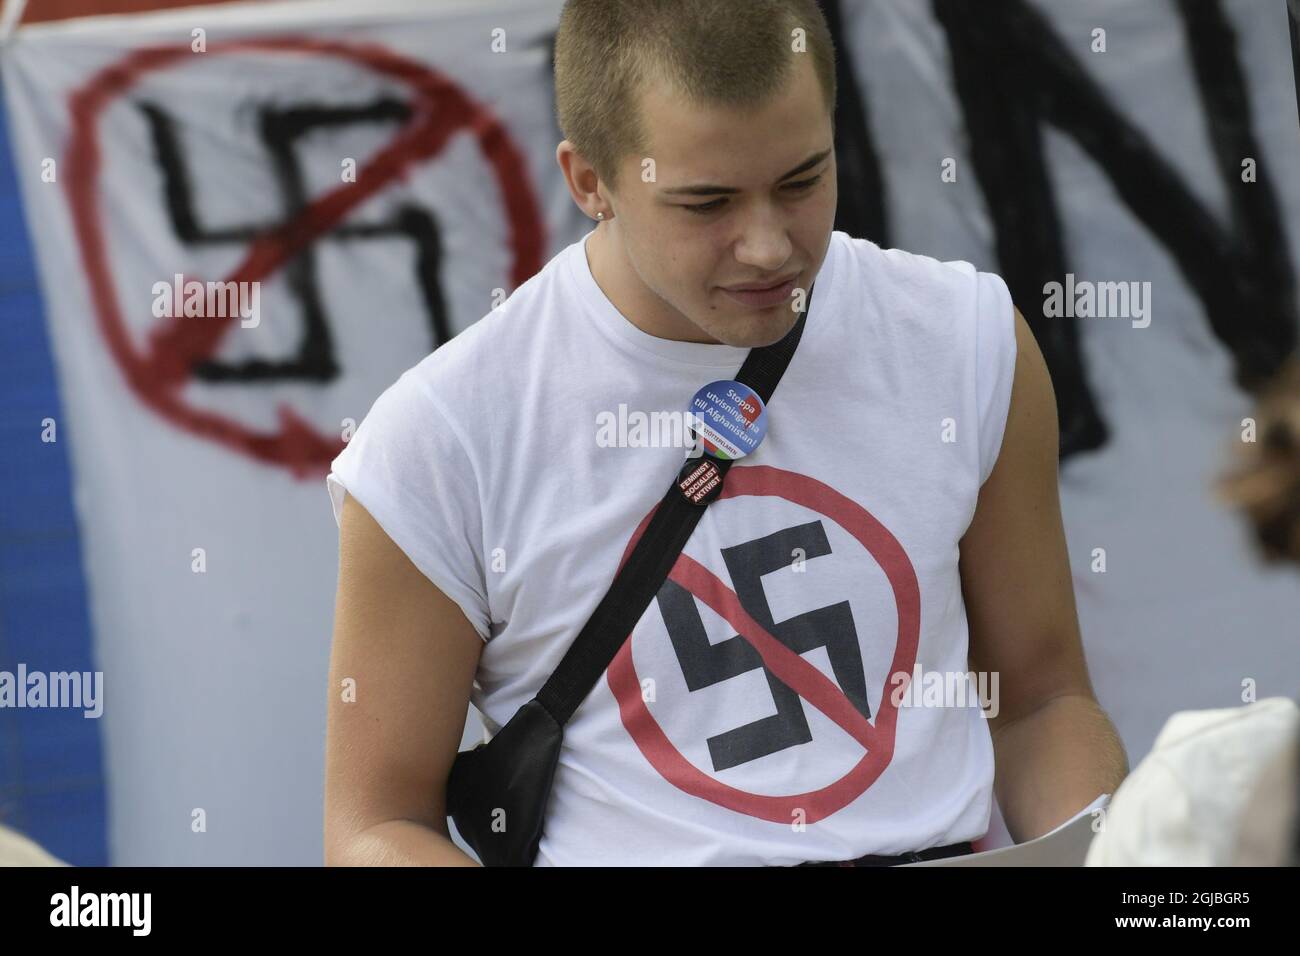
(771, 219)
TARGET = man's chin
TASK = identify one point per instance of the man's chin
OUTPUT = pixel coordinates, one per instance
(755, 331)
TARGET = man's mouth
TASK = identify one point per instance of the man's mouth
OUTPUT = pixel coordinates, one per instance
(763, 298)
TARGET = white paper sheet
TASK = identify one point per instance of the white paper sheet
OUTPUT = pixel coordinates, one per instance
(1067, 845)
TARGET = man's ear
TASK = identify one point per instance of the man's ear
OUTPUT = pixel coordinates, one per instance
(580, 177)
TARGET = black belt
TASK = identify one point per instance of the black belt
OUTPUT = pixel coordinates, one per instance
(933, 853)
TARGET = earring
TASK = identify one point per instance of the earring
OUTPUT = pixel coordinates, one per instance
(600, 215)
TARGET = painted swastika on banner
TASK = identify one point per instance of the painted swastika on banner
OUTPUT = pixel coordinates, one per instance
(280, 128)
(844, 704)
(182, 349)
(704, 664)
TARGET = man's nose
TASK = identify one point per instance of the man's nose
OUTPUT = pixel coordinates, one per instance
(764, 242)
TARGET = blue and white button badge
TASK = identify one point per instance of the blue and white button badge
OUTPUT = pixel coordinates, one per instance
(730, 419)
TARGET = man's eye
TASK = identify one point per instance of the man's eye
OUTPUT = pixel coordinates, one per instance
(801, 186)
(706, 207)
(805, 184)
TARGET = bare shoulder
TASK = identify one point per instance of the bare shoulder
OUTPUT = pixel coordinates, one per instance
(402, 666)
(1015, 569)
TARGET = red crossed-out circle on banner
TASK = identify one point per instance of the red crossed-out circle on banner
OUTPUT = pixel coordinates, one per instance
(155, 376)
(789, 667)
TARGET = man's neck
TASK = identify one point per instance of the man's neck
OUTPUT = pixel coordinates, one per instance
(645, 310)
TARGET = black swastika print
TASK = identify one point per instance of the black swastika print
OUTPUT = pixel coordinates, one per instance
(704, 664)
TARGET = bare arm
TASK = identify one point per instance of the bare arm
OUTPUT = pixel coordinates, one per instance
(1055, 748)
(411, 655)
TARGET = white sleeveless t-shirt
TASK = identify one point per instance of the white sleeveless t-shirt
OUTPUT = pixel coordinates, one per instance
(504, 467)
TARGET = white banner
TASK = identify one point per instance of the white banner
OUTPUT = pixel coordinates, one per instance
(246, 230)
(250, 219)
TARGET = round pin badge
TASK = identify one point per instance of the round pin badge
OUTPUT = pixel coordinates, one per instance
(729, 419)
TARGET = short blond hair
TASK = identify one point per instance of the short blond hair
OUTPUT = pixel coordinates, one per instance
(716, 52)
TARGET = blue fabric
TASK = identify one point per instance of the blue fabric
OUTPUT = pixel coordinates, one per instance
(51, 765)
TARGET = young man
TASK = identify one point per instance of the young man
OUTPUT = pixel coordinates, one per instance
(899, 520)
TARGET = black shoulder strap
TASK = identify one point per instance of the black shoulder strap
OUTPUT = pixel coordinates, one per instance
(652, 559)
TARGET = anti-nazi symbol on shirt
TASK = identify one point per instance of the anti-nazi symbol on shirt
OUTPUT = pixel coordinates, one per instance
(775, 647)
(705, 664)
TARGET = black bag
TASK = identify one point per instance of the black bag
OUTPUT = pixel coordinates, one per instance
(497, 792)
